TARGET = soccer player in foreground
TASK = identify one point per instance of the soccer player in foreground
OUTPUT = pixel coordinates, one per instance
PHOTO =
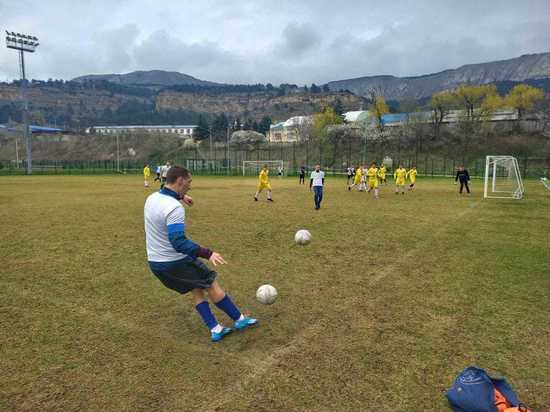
(372, 175)
(264, 184)
(400, 175)
(317, 180)
(412, 177)
(174, 258)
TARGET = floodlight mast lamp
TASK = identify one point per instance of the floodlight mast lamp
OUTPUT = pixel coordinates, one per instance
(23, 43)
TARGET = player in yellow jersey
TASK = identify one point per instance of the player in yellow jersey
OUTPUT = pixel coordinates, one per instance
(372, 175)
(400, 176)
(356, 178)
(382, 174)
(412, 177)
(263, 183)
(146, 175)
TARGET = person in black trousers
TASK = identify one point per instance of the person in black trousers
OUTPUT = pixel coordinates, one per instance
(464, 177)
(302, 175)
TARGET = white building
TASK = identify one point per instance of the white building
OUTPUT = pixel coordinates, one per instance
(288, 131)
(180, 130)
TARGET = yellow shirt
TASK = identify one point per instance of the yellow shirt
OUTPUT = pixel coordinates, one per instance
(264, 176)
(400, 175)
(412, 175)
(357, 178)
(382, 172)
(372, 173)
(146, 172)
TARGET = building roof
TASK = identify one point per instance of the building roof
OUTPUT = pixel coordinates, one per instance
(355, 116)
(394, 118)
(298, 120)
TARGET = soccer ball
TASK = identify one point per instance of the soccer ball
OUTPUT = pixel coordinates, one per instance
(266, 294)
(302, 237)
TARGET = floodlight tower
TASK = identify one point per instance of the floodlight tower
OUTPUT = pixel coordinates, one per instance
(23, 43)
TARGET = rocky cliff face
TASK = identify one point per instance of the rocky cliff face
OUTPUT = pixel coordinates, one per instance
(527, 67)
(256, 105)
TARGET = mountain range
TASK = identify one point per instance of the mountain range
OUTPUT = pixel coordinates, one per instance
(161, 97)
(530, 67)
(527, 67)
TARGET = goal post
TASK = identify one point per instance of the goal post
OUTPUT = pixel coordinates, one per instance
(253, 166)
(502, 178)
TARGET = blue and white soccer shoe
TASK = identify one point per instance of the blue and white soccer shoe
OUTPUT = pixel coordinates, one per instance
(245, 323)
(217, 336)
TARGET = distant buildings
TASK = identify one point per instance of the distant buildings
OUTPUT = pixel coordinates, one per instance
(290, 130)
(179, 130)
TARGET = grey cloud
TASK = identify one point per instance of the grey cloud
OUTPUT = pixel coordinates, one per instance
(298, 39)
(262, 41)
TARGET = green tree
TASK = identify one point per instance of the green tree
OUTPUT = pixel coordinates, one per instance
(203, 129)
(219, 127)
(264, 125)
(338, 107)
(314, 88)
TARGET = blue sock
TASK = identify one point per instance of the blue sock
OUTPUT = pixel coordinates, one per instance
(229, 307)
(206, 314)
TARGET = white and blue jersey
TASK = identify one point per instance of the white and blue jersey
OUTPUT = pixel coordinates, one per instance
(165, 230)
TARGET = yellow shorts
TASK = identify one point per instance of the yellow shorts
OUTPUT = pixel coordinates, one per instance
(262, 186)
(357, 181)
(373, 183)
(400, 182)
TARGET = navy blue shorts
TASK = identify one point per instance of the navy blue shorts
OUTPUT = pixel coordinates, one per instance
(183, 276)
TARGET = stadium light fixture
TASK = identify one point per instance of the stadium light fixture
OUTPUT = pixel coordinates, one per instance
(24, 43)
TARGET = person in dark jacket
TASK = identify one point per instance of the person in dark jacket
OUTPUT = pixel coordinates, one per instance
(464, 177)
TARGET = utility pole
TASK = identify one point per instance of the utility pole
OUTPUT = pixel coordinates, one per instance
(210, 137)
(23, 43)
(117, 154)
(16, 152)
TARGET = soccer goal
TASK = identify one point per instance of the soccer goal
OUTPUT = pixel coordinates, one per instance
(502, 178)
(252, 167)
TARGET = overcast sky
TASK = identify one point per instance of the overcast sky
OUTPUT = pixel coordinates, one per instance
(302, 42)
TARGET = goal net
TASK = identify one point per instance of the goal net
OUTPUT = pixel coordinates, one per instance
(502, 178)
(253, 167)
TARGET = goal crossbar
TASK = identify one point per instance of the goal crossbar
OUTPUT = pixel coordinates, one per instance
(258, 164)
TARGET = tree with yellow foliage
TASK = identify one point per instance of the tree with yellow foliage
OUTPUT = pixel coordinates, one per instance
(472, 97)
(326, 117)
(379, 108)
(441, 104)
(523, 98)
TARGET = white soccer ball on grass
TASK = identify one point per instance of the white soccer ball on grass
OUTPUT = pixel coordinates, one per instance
(302, 237)
(266, 294)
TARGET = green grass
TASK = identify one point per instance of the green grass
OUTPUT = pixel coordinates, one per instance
(380, 312)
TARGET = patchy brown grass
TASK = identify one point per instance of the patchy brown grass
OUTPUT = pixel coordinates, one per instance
(381, 311)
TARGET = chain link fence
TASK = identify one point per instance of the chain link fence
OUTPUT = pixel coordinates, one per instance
(334, 159)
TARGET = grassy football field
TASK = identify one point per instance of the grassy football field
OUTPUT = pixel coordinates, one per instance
(391, 300)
